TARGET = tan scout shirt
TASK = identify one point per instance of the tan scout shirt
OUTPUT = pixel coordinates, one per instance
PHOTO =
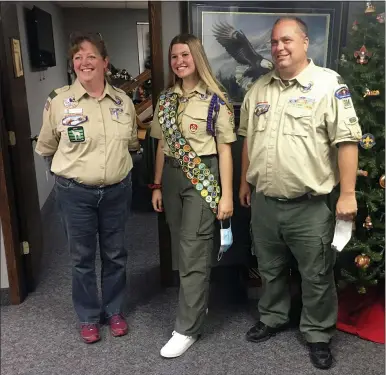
(194, 123)
(89, 138)
(291, 131)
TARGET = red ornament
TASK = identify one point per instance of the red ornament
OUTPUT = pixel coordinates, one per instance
(362, 55)
(362, 261)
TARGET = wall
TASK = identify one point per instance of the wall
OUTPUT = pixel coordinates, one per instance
(37, 88)
(118, 28)
(4, 283)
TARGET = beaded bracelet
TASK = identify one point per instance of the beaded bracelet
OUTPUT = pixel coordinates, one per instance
(154, 186)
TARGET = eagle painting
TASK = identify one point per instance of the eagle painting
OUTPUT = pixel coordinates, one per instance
(237, 45)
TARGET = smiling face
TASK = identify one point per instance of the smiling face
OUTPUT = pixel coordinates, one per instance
(89, 65)
(289, 47)
(181, 61)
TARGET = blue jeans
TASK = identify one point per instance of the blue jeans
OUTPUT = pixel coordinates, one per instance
(86, 212)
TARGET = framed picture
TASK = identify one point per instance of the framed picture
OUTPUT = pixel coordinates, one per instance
(236, 38)
(143, 44)
(16, 58)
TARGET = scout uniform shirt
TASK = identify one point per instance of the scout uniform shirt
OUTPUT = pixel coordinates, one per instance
(291, 131)
(90, 138)
(194, 123)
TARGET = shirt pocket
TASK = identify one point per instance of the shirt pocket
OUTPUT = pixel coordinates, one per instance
(123, 125)
(260, 123)
(195, 120)
(297, 121)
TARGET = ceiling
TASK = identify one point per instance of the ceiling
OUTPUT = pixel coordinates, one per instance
(103, 4)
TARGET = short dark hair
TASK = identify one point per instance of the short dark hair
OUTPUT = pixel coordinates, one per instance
(301, 24)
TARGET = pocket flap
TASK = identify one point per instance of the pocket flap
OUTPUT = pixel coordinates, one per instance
(298, 112)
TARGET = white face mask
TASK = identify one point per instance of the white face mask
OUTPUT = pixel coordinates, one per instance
(226, 239)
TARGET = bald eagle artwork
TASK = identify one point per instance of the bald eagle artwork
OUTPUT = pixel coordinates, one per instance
(251, 63)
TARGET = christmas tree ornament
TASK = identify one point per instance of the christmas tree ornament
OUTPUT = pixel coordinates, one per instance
(368, 224)
(367, 141)
(355, 25)
(343, 59)
(362, 290)
(382, 181)
(368, 92)
(362, 55)
(362, 261)
(362, 173)
(370, 8)
(381, 18)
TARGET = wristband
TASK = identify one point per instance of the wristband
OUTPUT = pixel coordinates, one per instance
(154, 186)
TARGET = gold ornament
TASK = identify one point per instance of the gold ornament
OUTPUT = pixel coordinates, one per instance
(382, 181)
(362, 290)
(370, 8)
(362, 261)
(368, 224)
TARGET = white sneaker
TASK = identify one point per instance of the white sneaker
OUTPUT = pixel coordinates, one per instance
(177, 345)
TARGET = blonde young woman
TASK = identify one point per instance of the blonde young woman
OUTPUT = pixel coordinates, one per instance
(194, 123)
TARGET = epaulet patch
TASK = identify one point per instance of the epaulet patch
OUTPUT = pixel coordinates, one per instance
(52, 94)
(49, 99)
(62, 89)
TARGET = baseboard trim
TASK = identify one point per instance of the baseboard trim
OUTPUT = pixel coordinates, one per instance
(5, 297)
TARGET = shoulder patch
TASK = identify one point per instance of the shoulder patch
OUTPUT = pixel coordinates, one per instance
(62, 89)
(52, 94)
(119, 90)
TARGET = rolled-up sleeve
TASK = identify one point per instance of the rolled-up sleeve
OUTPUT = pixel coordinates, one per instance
(133, 141)
(225, 125)
(49, 137)
(155, 127)
(341, 118)
(244, 115)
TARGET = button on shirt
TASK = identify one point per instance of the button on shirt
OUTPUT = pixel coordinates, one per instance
(90, 138)
(293, 129)
(194, 123)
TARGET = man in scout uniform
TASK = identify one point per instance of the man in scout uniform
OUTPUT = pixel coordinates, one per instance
(87, 132)
(301, 140)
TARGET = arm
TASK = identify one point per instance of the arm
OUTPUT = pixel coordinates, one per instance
(133, 141)
(159, 163)
(245, 191)
(225, 209)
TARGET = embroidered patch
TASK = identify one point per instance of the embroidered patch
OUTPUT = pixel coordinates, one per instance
(193, 128)
(307, 88)
(115, 112)
(76, 134)
(70, 102)
(347, 103)
(302, 102)
(353, 120)
(47, 105)
(261, 107)
(343, 93)
(118, 100)
(74, 120)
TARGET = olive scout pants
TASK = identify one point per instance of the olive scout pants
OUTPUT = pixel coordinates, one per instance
(305, 228)
(192, 225)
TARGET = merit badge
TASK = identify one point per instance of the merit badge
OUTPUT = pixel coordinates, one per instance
(308, 87)
(70, 102)
(118, 100)
(76, 134)
(342, 93)
(74, 120)
(367, 141)
(115, 112)
(193, 128)
(261, 107)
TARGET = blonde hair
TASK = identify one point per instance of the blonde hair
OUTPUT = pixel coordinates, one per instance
(201, 62)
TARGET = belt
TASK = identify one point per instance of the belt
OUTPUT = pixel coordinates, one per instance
(302, 198)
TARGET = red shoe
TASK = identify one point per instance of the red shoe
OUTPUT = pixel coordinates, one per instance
(90, 333)
(118, 325)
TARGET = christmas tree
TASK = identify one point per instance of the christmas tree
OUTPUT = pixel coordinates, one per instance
(362, 67)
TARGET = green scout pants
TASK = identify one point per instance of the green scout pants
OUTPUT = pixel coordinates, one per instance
(306, 229)
(191, 223)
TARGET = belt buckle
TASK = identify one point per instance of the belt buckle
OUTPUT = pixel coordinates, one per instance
(282, 199)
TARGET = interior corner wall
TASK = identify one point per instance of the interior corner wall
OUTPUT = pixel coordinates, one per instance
(4, 282)
(39, 84)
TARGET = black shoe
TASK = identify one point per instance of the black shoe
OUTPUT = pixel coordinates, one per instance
(320, 355)
(261, 332)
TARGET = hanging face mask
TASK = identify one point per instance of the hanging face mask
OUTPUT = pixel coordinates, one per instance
(226, 238)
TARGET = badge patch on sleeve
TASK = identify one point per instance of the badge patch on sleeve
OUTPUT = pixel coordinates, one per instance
(342, 93)
(261, 107)
(76, 134)
(347, 103)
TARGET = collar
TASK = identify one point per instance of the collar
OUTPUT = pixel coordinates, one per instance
(200, 88)
(303, 78)
(79, 91)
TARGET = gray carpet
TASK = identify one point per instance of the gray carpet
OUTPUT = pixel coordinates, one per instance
(40, 336)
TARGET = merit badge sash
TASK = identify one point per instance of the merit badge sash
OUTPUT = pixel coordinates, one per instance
(194, 169)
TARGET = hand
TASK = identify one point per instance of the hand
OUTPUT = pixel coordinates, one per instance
(346, 208)
(156, 200)
(225, 208)
(245, 194)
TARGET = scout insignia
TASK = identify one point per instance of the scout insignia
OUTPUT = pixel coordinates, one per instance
(74, 120)
(118, 100)
(70, 102)
(261, 107)
(76, 134)
(115, 112)
(308, 87)
(367, 141)
(347, 103)
(203, 96)
(342, 93)
(193, 128)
